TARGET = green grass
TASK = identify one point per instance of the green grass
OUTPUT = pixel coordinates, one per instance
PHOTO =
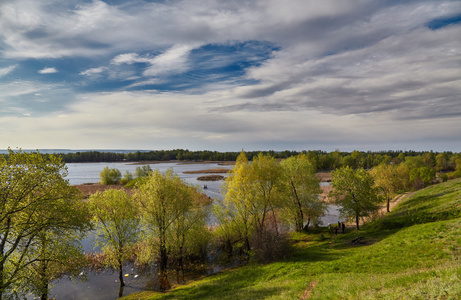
(413, 252)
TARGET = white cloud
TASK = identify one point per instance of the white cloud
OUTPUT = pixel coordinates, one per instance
(174, 60)
(128, 58)
(93, 71)
(48, 71)
(5, 71)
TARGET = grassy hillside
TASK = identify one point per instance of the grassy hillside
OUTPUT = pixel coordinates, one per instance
(414, 252)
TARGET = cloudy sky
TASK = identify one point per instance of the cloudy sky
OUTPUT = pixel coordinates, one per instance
(228, 75)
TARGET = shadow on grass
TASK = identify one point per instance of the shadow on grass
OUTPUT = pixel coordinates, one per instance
(229, 285)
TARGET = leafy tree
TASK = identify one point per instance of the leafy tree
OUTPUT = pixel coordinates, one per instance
(143, 171)
(127, 177)
(34, 199)
(110, 176)
(421, 176)
(266, 180)
(54, 253)
(387, 178)
(239, 198)
(303, 190)
(189, 232)
(163, 199)
(441, 161)
(354, 191)
(115, 218)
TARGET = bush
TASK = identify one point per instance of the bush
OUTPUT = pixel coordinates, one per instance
(143, 171)
(110, 176)
(270, 246)
(127, 177)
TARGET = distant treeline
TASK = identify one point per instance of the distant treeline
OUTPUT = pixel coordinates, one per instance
(323, 160)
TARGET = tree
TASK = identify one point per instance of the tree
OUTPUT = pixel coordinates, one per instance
(34, 199)
(354, 191)
(189, 232)
(117, 224)
(421, 176)
(239, 197)
(387, 178)
(110, 176)
(266, 179)
(143, 171)
(441, 161)
(163, 199)
(54, 253)
(127, 177)
(303, 190)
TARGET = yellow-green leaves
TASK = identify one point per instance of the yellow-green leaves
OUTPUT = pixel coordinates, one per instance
(116, 221)
(354, 191)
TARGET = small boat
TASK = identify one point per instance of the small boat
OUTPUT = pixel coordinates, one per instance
(205, 186)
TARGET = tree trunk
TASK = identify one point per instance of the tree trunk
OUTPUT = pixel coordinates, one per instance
(357, 221)
(388, 204)
(120, 264)
(44, 295)
(305, 228)
(299, 222)
(120, 274)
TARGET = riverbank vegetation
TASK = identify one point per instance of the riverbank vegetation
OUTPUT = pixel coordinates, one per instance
(269, 219)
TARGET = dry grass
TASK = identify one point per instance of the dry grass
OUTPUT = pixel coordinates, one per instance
(210, 178)
(323, 176)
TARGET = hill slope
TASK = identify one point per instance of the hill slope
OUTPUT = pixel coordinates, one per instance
(414, 252)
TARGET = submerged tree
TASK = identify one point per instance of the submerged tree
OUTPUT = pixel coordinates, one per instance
(303, 190)
(115, 218)
(164, 200)
(354, 191)
(34, 199)
(54, 253)
(190, 235)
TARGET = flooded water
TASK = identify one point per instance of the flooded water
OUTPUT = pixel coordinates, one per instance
(105, 285)
(80, 173)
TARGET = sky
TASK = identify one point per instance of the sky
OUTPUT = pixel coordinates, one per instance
(227, 75)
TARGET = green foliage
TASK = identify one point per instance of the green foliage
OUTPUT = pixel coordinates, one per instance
(127, 177)
(302, 191)
(355, 192)
(110, 176)
(257, 197)
(35, 201)
(53, 254)
(421, 176)
(388, 180)
(143, 171)
(117, 225)
(172, 214)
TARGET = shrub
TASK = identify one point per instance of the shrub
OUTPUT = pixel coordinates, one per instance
(110, 176)
(143, 171)
(127, 177)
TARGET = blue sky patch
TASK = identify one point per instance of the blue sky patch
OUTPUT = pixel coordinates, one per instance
(443, 22)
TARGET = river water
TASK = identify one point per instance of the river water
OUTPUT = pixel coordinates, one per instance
(80, 173)
(105, 285)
